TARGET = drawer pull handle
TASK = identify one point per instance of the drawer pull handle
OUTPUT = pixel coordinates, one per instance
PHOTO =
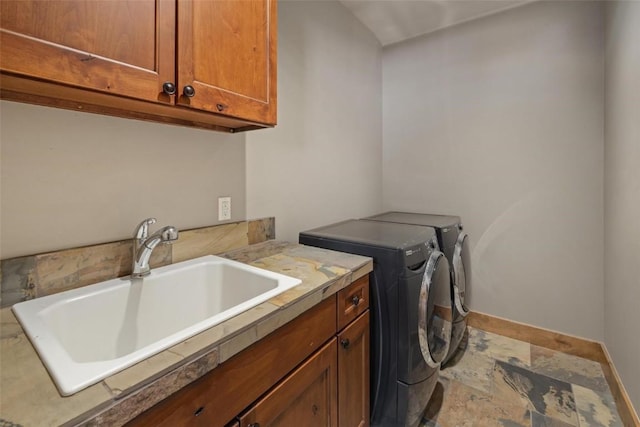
(345, 343)
(355, 300)
(199, 411)
(221, 107)
(254, 425)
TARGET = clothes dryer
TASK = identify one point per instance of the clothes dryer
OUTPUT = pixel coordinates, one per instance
(411, 311)
(454, 243)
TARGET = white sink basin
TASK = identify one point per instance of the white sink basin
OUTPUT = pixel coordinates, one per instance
(86, 334)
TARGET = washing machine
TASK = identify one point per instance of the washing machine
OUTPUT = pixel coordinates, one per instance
(454, 243)
(411, 311)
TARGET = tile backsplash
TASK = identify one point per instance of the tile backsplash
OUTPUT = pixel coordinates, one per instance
(33, 276)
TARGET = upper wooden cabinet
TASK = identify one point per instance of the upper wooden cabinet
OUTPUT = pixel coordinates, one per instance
(227, 54)
(110, 46)
(207, 63)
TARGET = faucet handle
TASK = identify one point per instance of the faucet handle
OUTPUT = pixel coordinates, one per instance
(142, 230)
(168, 234)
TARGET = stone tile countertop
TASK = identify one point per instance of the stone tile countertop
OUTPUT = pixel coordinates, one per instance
(28, 396)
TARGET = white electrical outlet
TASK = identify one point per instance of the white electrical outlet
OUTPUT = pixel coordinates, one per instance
(224, 208)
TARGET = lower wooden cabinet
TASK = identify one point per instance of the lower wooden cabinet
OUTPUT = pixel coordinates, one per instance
(226, 391)
(309, 373)
(353, 373)
(330, 389)
(307, 397)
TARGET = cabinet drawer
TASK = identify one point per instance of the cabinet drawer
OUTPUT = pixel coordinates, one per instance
(353, 301)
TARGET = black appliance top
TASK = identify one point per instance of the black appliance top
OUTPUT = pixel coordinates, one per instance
(374, 233)
(440, 221)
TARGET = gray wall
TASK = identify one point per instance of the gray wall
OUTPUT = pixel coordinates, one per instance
(70, 179)
(500, 120)
(322, 162)
(622, 192)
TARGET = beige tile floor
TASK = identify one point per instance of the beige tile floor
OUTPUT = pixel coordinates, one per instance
(498, 381)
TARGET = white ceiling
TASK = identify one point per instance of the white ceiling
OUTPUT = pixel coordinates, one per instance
(393, 21)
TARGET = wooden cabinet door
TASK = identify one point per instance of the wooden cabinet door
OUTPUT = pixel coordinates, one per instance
(123, 47)
(307, 397)
(353, 374)
(227, 56)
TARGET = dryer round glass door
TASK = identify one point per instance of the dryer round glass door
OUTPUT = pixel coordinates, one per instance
(461, 273)
(435, 310)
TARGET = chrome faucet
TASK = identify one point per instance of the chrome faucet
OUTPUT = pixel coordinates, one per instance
(143, 245)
